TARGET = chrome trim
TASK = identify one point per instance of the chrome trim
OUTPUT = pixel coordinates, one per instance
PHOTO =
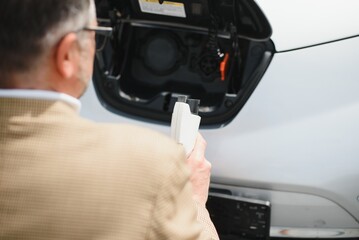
(244, 199)
(105, 31)
(336, 233)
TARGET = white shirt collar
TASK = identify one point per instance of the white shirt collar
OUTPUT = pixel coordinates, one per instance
(42, 95)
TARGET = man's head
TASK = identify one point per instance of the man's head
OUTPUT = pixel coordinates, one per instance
(42, 44)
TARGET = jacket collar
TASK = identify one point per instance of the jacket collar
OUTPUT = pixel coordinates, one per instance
(41, 95)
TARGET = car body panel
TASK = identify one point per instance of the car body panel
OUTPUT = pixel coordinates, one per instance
(302, 23)
(299, 130)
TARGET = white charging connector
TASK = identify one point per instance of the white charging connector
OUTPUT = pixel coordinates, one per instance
(185, 122)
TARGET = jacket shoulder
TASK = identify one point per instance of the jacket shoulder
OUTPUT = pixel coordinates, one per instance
(144, 147)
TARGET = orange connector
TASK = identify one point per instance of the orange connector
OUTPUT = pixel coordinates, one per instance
(223, 67)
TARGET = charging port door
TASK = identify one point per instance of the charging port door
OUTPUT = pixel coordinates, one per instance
(212, 50)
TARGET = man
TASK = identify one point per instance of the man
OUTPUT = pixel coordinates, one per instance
(64, 177)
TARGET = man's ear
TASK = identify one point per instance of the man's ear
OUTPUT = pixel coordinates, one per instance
(67, 56)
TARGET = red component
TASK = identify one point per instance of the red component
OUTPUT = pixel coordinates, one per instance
(223, 67)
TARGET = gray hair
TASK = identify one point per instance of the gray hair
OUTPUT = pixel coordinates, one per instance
(78, 20)
(29, 28)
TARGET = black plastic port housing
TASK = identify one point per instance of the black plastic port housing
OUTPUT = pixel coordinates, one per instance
(238, 218)
(215, 51)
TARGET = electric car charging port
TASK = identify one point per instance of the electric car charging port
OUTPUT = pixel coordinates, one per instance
(212, 50)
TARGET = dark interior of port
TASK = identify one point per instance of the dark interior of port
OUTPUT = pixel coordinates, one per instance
(216, 53)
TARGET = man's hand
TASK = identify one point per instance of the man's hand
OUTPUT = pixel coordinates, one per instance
(200, 171)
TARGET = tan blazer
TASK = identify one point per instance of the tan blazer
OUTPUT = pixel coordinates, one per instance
(64, 177)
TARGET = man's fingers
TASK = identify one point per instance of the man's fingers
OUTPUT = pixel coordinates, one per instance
(200, 170)
(209, 164)
(199, 149)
